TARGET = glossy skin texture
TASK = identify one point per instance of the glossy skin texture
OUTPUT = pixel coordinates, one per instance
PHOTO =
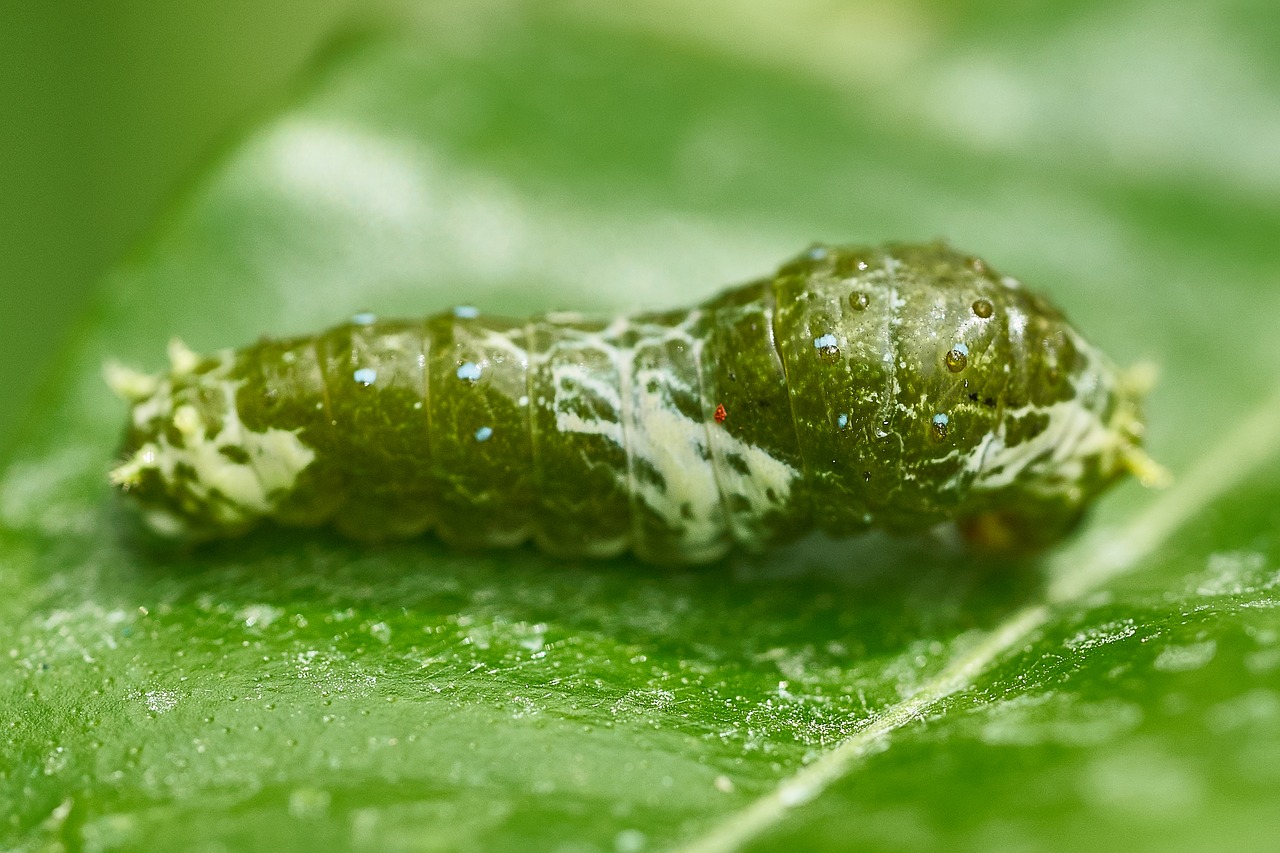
(896, 387)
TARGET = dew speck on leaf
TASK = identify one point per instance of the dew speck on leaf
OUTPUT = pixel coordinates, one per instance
(1185, 658)
(1102, 635)
(1059, 718)
(1230, 573)
(1255, 708)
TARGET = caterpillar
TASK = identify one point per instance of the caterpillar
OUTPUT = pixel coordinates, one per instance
(899, 387)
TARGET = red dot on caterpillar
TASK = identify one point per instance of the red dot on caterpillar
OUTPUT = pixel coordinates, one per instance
(721, 414)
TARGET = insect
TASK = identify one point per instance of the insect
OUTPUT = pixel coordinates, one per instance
(898, 387)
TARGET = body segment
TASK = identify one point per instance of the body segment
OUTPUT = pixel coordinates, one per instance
(897, 387)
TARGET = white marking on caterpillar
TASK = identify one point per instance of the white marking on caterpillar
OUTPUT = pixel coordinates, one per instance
(1074, 433)
(132, 386)
(182, 358)
(198, 471)
(688, 494)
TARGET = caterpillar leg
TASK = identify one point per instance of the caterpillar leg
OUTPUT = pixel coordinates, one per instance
(1011, 533)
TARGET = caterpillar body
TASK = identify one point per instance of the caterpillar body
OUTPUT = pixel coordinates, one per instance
(897, 387)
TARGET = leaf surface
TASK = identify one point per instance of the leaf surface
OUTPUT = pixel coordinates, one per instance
(300, 692)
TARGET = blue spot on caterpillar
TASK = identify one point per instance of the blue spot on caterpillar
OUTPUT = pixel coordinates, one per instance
(897, 387)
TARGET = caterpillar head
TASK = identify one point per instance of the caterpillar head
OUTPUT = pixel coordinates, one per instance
(1097, 451)
(187, 460)
(951, 387)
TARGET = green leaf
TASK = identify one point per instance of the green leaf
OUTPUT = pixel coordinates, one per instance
(297, 691)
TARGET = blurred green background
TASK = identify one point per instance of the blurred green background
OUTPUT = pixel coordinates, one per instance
(108, 109)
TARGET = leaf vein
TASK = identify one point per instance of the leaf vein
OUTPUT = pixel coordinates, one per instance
(1074, 573)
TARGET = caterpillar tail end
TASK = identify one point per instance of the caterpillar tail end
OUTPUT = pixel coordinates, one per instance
(182, 359)
(1135, 384)
(1148, 471)
(127, 473)
(132, 386)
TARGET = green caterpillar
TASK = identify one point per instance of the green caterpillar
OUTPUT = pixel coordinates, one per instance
(896, 388)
